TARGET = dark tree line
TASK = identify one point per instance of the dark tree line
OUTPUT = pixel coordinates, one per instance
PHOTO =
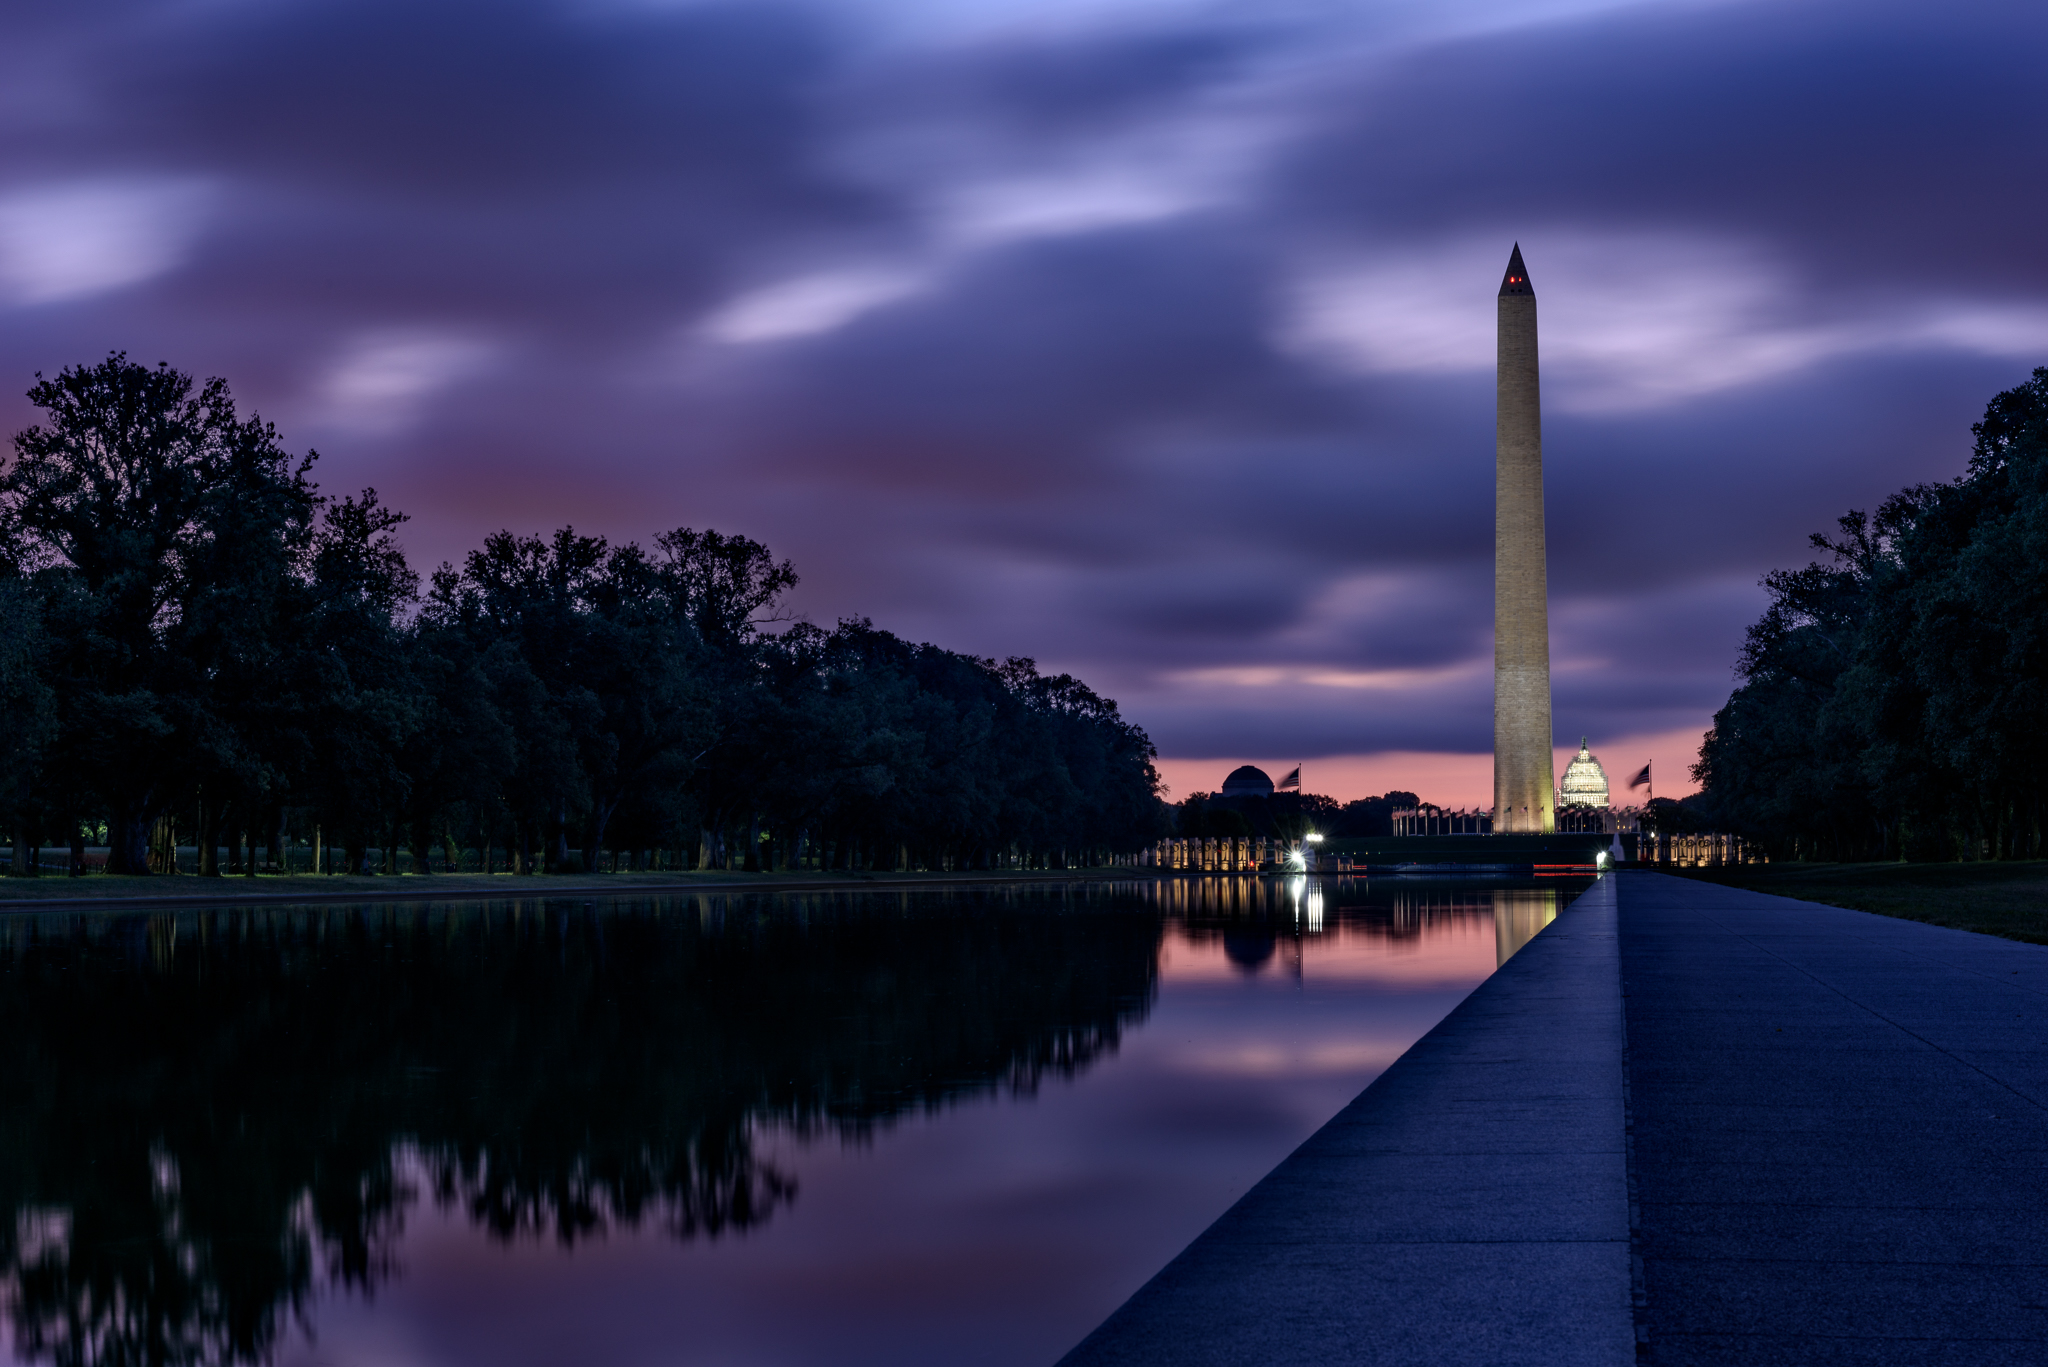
(198, 646)
(1893, 699)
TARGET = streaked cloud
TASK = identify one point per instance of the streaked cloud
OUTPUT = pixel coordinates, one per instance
(382, 380)
(1054, 205)
(72, 240)
(807, 305)
(1314, 676)
(1629, 323)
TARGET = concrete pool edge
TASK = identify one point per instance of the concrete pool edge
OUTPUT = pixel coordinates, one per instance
(1469, 1207)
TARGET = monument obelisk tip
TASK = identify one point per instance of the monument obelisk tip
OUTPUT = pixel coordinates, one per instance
(1516, 281)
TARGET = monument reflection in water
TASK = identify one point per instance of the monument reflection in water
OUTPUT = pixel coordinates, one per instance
(844, 1127)
(1518, 913)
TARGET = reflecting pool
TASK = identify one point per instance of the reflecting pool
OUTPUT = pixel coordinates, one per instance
(889, 1126)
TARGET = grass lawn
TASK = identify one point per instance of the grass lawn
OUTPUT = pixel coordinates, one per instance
(1994, 899)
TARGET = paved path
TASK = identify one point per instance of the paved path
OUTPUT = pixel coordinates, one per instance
(1470, 1207)
(1841, 1133)
(1839, 1129)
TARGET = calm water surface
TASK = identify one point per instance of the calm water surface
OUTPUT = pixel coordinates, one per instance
(945, 1126)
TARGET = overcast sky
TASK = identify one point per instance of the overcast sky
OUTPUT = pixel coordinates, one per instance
(1153, 340)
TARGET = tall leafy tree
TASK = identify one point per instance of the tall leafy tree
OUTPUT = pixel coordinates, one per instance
(355, 692)
(1890, 699)
(161, 525)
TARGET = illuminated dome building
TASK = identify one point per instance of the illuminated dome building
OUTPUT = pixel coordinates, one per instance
(1585, 782)
(1248, 781)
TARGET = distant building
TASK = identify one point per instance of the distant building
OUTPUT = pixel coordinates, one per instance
(1585, 782)
(1247, 781)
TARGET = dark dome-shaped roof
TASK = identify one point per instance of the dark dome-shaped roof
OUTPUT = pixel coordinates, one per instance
(1247, 781)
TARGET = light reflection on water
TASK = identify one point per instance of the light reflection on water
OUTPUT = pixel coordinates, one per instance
(1518, 913)
(901, 1127)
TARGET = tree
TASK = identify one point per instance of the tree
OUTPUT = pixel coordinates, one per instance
(1371, 817)
(534, 594)
(159, 525)
(725, 583)
(1889, 701)
(354, 695)
(462, 754)
(1670, 816)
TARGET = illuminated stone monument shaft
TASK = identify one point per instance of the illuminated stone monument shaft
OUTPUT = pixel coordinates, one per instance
(1523, 795)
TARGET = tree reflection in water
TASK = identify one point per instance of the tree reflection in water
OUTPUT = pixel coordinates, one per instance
(207, 1117)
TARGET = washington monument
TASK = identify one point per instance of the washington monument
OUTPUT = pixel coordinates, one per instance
(1523, 786)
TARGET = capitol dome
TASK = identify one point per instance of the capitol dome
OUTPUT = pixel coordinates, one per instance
(1585, 782)
(1249, 781)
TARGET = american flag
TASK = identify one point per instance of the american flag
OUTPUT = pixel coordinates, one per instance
(1293, 779)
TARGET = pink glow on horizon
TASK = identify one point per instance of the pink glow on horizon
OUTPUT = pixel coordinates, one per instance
(1454, 780)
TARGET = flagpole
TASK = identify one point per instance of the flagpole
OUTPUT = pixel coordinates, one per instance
(1642, 779)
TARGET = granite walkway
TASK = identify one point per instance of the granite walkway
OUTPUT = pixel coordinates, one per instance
(1841, 1133)
(1831, 1128)
(1470, 1207)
